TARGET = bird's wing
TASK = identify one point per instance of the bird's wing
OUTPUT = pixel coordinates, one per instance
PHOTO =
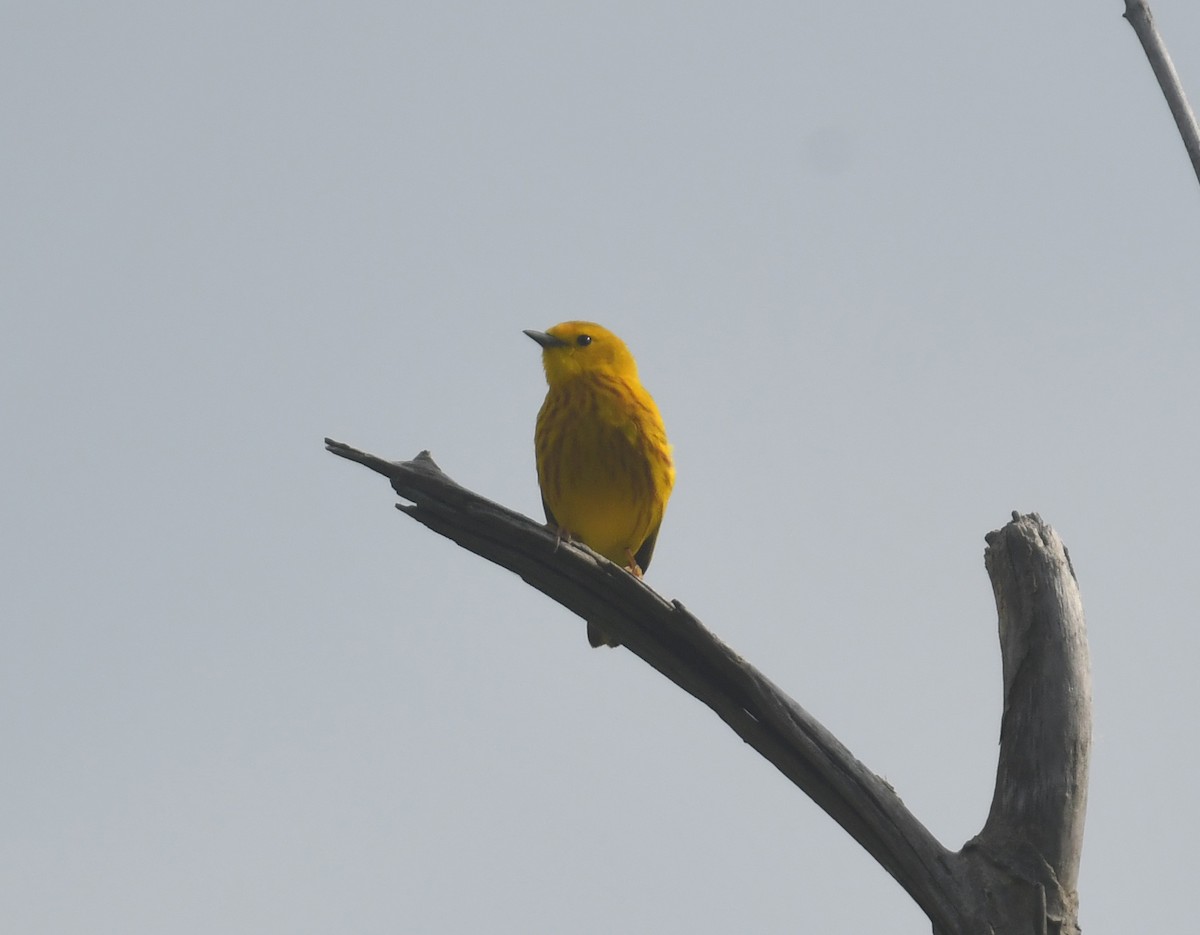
(550, 520)
(647, 549)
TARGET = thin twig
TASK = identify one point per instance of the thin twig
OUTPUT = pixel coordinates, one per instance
(1142, 20)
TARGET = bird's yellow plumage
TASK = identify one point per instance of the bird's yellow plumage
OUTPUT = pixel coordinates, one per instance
(603, 461)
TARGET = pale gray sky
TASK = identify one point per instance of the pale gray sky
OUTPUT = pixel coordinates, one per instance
(890, 271)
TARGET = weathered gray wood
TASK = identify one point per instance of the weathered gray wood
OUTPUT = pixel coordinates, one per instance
(1137, 12)
(1018, 875)
(1034, 830)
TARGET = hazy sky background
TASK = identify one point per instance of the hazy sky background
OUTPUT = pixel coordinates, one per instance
(891, 272)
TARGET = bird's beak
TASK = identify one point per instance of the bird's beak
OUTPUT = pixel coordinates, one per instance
(546, 340)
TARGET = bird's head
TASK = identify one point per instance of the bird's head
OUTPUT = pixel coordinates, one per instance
(574, 348)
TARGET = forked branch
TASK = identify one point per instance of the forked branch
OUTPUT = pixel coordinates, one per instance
(956, 890)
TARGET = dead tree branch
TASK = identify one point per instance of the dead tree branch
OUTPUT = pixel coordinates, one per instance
(1026, 856)
(1035, 827)
(1142, 20)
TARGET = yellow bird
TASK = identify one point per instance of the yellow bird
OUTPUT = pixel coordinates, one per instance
(603, 462)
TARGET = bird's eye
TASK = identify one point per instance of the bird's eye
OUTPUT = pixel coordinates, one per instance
(584, 340)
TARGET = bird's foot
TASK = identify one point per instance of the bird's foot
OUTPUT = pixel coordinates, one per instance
(562, 535)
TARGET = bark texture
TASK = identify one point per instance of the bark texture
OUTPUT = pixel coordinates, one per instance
(1034, 831)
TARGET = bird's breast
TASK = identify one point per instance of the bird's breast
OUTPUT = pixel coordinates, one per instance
(604, 465)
